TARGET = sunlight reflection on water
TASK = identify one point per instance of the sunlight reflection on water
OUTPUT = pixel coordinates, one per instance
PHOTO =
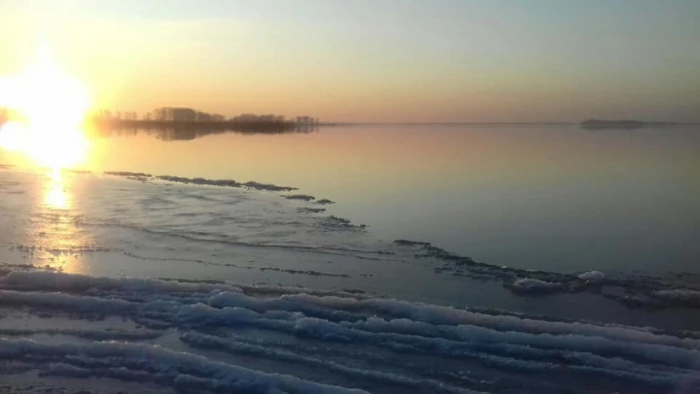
(56, 195)
(60, 243)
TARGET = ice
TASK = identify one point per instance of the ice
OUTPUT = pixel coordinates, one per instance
(64, 301)
(683, 296)
(592, 276)
(257, 294)
(203, 230)
(442, 315)
(27, 280)
(200, 181)
(300, 197)
(140, 362)
(534, 286)
(298, 332)
(231, 345)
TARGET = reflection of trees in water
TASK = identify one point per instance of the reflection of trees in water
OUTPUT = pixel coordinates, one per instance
(178, 133)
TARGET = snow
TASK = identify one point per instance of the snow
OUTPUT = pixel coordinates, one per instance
(271, 299)
(592, 276)
(530, 285)
(140, 362)
(298, 329)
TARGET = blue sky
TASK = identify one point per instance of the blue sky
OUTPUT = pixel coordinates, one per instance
(415, 60)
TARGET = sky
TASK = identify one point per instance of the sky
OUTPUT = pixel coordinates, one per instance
(373, 60)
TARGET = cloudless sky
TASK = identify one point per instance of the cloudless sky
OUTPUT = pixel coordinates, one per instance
(373, 60)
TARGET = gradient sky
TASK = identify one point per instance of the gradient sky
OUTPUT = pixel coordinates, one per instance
(373, 60)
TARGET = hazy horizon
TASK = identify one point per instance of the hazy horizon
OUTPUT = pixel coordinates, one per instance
(373, 61)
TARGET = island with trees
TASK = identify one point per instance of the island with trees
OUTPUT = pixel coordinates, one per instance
(181, 118)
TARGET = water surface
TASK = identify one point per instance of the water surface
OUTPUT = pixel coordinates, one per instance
(237, 285)
(552, 197)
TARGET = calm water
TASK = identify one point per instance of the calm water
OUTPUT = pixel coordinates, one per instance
(549, 197)
(258, 285)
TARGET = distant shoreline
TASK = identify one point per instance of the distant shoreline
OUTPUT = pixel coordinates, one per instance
(123, 123)
(601, 124)
(291, 125)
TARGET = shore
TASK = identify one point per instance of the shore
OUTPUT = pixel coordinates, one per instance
(176, 284)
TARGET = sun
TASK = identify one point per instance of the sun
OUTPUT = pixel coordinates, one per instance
(47, 108)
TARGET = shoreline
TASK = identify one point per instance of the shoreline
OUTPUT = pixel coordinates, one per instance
(634, 291)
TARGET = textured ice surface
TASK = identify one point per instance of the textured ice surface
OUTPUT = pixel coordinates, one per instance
(592, 275)
(199, 337)
(529, 285)
(203, 286)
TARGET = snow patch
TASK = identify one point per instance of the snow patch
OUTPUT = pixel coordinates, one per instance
(592, 276)
(535, 286)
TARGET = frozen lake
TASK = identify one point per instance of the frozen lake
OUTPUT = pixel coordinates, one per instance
(580, 269)
(554, 197)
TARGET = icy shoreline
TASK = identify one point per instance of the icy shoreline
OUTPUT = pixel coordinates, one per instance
(153, 228)
(272, 295)
(331, 342)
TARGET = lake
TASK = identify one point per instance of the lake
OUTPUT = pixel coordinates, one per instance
(552, 197)
(582, 275)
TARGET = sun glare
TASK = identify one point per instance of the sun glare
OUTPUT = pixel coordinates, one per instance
(56, 196)
(47, 108)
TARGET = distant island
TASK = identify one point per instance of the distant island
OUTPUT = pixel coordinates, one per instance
(602, 124)
(190, 119)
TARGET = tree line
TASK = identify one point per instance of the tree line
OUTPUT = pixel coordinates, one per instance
(190, 115)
